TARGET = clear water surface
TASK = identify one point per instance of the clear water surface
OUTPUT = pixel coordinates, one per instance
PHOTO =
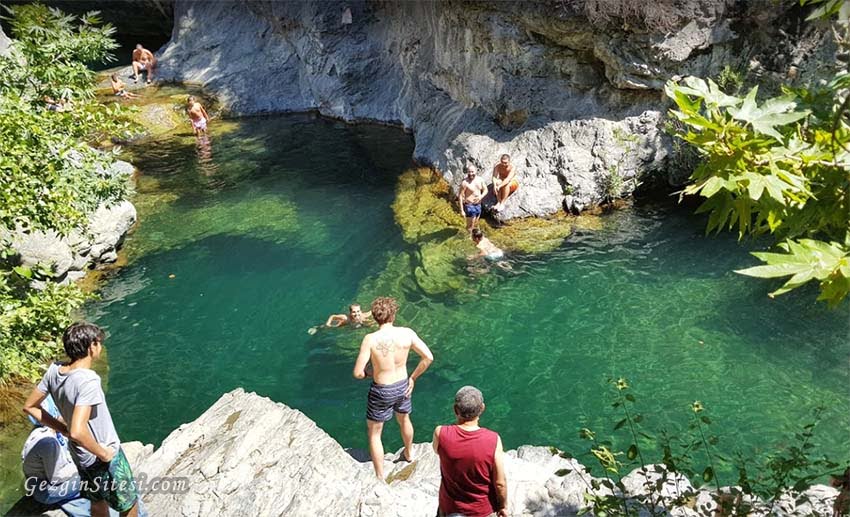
(248, 242)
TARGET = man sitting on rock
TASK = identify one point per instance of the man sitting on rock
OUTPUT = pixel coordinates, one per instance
(504, 181)
(387, 350)
(472, 464)
(472, 191)
(143, 61)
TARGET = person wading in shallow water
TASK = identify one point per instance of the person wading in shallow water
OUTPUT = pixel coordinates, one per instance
(387, 349)
(198, 115)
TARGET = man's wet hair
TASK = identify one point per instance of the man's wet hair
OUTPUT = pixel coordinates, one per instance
(469, 403)
(505, 156)
(114, 77)
(477, 234)
(384, 309)
(79, 337)
(191, 98)
(352, 306)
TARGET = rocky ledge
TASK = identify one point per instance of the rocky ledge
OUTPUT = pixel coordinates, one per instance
(66, 258)
(572, 90)
(247, 455)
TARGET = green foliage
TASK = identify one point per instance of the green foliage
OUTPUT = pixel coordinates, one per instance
(730, 79)
(789, 469)
(50, 177)
(31, 321)
(777, 167)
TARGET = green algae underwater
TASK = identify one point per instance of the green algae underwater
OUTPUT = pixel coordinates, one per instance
(248, 240)
(285, 220)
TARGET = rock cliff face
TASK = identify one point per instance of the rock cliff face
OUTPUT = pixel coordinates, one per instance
(248, 455)
(570, 89)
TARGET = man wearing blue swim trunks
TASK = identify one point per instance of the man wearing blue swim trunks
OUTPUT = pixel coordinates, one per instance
(472, 191)
(387, 349)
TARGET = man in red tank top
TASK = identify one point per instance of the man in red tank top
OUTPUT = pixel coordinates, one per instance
(472, 465)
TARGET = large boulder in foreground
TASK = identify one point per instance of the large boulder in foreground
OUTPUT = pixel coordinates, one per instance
(248, 455)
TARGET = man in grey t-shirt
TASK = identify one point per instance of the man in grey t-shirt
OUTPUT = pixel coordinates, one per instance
(81, 387)
(107, 479)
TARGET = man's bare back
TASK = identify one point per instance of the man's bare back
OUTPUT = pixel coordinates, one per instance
(388, 351)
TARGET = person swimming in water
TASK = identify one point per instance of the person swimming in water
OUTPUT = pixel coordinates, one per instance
(488, 250)
(485, 246)
(355, 318)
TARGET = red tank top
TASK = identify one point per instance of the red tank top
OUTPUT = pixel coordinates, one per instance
(466, 465)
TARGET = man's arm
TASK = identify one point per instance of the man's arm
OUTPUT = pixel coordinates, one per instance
(496, 181)
(81, 434)
(426, 358)
(482, 189)
(435, 442)
(204, 111)
(32, 407)
(362, 359)
(500, 480)
(460, 198)
(336, 320)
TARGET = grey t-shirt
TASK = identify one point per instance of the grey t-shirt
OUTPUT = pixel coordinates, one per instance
(81, 387)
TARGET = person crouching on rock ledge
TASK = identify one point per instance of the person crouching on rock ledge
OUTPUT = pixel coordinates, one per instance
(387, 349)
(504, 181)
(198, 116)
(472, 191)
(143, 61)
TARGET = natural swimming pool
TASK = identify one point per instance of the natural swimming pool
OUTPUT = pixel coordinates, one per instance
(246, 243)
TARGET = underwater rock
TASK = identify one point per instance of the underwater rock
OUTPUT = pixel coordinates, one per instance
(440, 267)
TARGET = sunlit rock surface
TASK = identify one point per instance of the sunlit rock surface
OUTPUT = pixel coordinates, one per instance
(570, 89)
(247, 455)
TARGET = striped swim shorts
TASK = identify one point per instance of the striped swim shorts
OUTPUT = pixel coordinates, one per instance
(384, 399)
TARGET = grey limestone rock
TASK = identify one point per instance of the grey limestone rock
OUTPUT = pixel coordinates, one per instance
(47, 249)
(66, 256)
(108, 226)
(573, 94)
(248, 455)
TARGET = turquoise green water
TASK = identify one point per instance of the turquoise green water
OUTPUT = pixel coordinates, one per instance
(285, 220)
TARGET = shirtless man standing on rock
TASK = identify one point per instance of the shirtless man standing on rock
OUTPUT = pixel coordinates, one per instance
(387, 349)
(472, 191)
(143, 60)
